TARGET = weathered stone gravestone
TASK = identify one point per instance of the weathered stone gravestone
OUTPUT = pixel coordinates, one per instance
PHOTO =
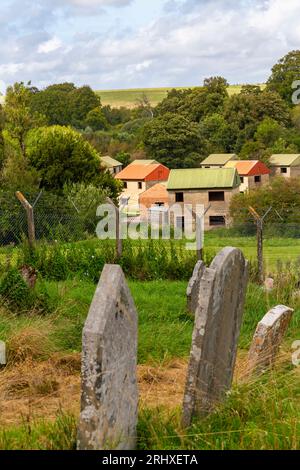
(2, 353)
(268, 337)
(109, 395)
(216, 332)
(192, 292)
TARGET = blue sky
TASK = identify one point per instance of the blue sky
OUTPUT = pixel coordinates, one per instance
(144, 43)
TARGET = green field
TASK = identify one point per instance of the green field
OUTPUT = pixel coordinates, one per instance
(129, 98)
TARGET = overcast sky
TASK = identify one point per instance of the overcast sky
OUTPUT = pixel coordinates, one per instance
(144, 43)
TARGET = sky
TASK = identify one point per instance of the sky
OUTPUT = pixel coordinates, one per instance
(115, 44)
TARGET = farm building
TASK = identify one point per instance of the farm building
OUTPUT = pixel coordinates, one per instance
(286, 165)
(155, 197)
(253, 173)
(212, 188)
(218, 160)
(111, 164)
(139, 178)
(143, 162)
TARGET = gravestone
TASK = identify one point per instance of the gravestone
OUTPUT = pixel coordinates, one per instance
(192, 292)
(268, 337)
(216, 332)
(2, 353)
(109, 393)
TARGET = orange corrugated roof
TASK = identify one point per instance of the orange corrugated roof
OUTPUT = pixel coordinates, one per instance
(137, 172)
(249, 167)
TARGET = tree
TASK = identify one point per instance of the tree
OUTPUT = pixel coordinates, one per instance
(96, 120)
(82, 101)
(64, 104)
(284, 73)
(283, 194)
(62, 156)
(268, 131)
(217, 133)
(171, 139)
(2, 155)
(19, 118)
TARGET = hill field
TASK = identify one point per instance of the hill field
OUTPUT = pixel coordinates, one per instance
(129, 98)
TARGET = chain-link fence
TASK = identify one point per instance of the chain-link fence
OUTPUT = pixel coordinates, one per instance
(55, 218)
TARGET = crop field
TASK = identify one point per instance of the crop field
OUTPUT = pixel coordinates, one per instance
(129, 98)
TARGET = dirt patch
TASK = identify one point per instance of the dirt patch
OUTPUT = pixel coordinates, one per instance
(31, 390)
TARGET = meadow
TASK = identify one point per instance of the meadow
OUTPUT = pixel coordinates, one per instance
(40, 387)
(129, 98)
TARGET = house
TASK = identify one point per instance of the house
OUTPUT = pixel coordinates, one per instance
(111, 164)
(218, 160)
(138, 178)
(253, 173)
(286, 165)
(143, 162)
(212, 188)
(154, 200)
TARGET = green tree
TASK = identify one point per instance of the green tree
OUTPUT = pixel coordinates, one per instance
(284, 73)
(96, 120)
(268, 132)
(171, 139)
(19, 118)
(62, 156)
(83, 100)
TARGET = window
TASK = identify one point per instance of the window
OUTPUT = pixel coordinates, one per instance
(216, 196)
(125, 185)
(217, 220)
(179, 197)
(283, 170)
(257, 179)
(140, 185)
(242, 179)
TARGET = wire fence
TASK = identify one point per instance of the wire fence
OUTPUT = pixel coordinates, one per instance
(55, 219)
(62, 219)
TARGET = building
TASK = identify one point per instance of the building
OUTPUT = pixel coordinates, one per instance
(286, 165)
(111, 164)
(213, 188)
(155, 199)
(218, 160)
(253, 173)
(143, 162)
(139, 178)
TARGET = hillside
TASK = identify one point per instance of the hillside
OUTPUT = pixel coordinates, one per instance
(128, 98)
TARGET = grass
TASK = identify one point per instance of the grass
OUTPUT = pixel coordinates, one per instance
(263, 413)
(129, 98)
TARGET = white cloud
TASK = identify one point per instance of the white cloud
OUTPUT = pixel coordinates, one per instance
(50, 46)
(192, 39)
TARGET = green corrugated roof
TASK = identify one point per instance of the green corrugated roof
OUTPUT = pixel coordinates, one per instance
(219, 158)
(110, 162)
(285, 159)
(202, 178)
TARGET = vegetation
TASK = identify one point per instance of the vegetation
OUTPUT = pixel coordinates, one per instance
(261, 413)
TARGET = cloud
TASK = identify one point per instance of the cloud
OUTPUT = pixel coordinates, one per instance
(184, 43)
(49, 46)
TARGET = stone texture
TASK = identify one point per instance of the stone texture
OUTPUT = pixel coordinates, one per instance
(216, 331)
(192, 292)
(2, 353)
(268, 337)
(109, 399)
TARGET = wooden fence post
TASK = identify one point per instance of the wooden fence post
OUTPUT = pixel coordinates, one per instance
(30, 218)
